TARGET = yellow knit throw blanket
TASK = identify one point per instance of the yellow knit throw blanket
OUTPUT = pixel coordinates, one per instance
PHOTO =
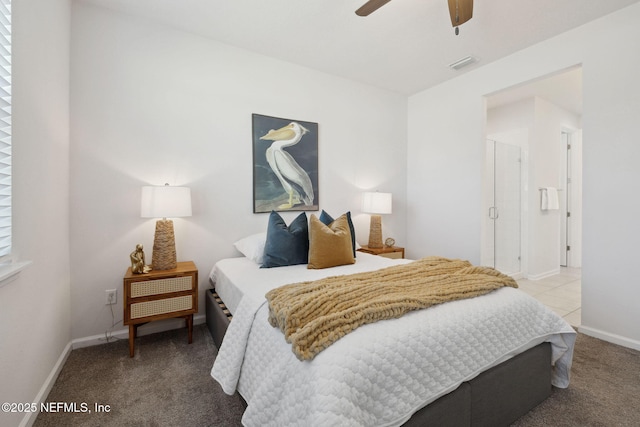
(314, 315)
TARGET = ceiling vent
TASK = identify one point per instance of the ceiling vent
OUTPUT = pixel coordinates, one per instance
(460, 63)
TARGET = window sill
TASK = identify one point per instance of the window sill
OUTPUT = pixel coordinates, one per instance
(9, 272)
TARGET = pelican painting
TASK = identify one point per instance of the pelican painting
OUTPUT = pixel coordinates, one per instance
(293, 186)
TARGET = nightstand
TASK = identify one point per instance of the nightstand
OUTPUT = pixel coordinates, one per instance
(161, 294)
(394, 252)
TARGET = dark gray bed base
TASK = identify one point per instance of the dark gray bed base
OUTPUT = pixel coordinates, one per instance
(496, 397)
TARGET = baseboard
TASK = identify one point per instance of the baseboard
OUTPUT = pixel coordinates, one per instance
(612, 338)
(30, 417)
(149, 328)
(543, 275)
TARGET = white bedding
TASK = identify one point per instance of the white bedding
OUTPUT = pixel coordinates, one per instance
(235, 277)
(381, 373)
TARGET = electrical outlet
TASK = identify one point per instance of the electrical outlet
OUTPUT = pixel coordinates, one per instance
(111, 296)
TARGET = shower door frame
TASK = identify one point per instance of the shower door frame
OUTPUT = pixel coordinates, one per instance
(490, 210)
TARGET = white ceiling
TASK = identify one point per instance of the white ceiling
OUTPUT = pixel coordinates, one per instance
(405, 46)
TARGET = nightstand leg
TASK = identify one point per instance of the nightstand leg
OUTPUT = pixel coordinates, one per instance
(132, 339)
(189, 319)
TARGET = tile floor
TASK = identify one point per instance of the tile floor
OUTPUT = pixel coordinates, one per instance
(561, 293)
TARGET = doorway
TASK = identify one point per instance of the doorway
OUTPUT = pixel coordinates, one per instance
(545, 108)
(571, 200)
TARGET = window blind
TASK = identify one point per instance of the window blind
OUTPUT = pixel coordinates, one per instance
(5, 128)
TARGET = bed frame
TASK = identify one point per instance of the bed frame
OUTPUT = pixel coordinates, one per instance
(496, 397)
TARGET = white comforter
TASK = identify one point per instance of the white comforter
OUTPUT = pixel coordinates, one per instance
(381, 373)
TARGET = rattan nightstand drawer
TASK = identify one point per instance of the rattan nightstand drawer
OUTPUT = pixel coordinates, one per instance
(161, 306)
(161, 286)
(394, 252)
(392, 255)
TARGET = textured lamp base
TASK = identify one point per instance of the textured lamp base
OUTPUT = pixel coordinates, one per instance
(164, 246)
(375, 232)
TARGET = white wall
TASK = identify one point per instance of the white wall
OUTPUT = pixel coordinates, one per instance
(152, 105)
(446, 128)
(611, 159)
(35, 308)
(444, 172)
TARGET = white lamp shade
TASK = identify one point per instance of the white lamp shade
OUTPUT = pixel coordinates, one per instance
(376, 203)
(165, 202)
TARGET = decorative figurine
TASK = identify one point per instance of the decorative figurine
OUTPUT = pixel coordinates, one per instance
(137, 261)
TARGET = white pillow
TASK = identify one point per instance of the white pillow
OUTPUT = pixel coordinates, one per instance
(252, 246)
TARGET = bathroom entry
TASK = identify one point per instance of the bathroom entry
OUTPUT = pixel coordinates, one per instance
(540, 109)
(503, 216)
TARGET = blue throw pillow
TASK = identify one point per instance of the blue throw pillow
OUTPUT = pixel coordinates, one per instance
(326, 219)
(286, 245)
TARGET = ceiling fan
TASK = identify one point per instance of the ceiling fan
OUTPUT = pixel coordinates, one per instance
(460, 10)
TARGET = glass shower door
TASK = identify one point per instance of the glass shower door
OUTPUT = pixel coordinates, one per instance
(505, 210)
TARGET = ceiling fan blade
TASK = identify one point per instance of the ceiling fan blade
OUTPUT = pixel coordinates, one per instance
(370, 7)
(461, 11)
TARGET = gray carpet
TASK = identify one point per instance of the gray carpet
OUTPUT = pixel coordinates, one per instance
(604, 389)
(167, 383)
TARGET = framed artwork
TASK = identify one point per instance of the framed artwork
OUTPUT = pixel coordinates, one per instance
(285, 164)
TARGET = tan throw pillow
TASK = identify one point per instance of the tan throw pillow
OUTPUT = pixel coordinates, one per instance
(329, 245)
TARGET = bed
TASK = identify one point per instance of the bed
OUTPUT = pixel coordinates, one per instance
(480, 361)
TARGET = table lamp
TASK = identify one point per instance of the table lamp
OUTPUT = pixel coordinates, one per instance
(165, 202)
(376, 204)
